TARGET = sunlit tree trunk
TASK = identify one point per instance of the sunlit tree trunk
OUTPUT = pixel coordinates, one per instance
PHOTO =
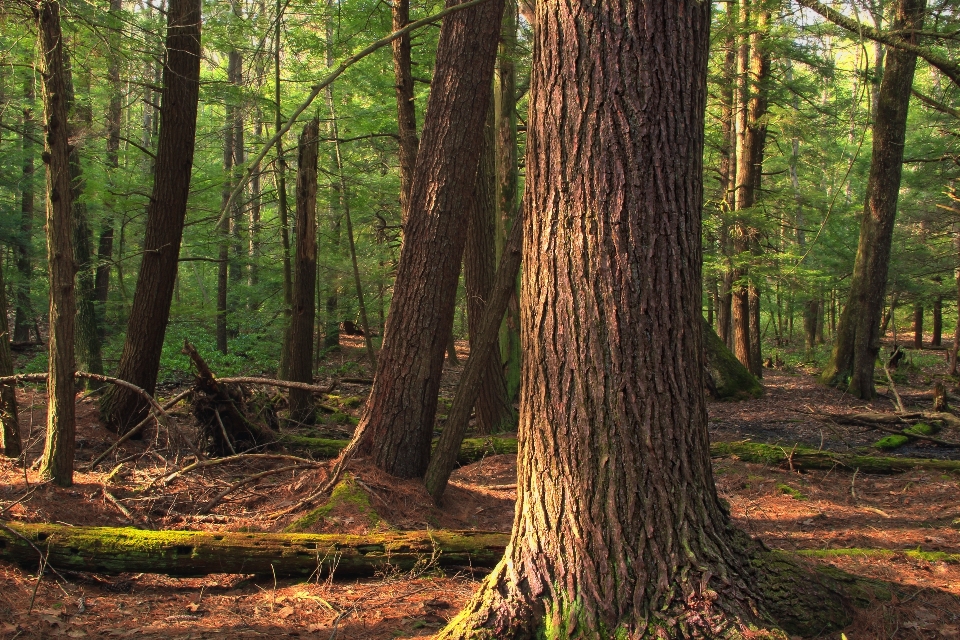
(57, 462)
(120, 409)
(397, 425)
(619, 532)
(858, 338)
(305, 274)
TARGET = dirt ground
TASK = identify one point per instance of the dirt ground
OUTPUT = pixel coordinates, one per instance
(870, 526)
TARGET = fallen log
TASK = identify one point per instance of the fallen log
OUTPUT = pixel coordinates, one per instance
(799, 457)
(108, 550)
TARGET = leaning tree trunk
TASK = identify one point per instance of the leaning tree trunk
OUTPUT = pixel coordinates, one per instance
(120, 408)
(858, 338)
(619, 530)
(57, 463)
(305, 275)
(9, 423)
(726, 378)
(494, 411)
(398, 422)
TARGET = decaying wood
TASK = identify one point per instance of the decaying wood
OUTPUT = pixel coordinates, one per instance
(196, 553)
(799, 457)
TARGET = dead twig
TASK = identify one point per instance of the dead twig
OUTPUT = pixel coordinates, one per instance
(199, 464)
(223, 432)
(207, 508)
(113, 500)
(281, 383)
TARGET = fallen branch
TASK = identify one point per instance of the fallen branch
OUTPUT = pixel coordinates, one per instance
(893, 388)
(200, 464)
(207, 508)
(281, 383)
(42, 377)
(196, 553)
(807, 458)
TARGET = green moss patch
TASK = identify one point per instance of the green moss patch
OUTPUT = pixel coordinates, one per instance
(347, 494)
(790, 491)
(895, 441)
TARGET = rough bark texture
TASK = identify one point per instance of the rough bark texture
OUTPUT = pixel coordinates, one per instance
(398, 422)
(858, 337)
(406, 107)
(9, 423)
(305, 274)
(493, 408)
(121, 409)
(196, 553)
(508, 181)
(57, 463)
(618, 531)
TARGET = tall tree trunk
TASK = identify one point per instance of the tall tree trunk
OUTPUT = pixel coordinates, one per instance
(236, 263)
(282, 208)
(88, 334)
(23, 316)
(406, 106)
(305, 274)
(810, 325)
(253, 225)
(228, 269)
(937, 338)
(397, 425)
(918, 325)
(57, 463)
(619, 531)
(494, 411)
(508, 180)
(728, 169)
(858, 339)
(120, 408)
(9, 422)
(955, 348)
(335, 198)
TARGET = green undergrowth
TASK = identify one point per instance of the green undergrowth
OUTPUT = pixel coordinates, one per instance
(347, 493)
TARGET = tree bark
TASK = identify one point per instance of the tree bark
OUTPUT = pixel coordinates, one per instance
(398, 421)
(281, 181)
(111, 551)
(57, 462)
(406, 106)
(858, 339)
(493, 408)
(9, 422)
(937, 339)
(23, 317)
(508, 190)
(305, 275)
(918, 326)
(810, 308)
(227, 265)
(619, 531)
(121, 409)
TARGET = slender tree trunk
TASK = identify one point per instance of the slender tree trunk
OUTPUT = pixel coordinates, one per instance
(223, 230)
(305, 274)
(406, 106)
(452, 358)
(398, 422)
(57, 463)
(23, 317)
(955, 347)
(140, 360)
(858, 339)
(937, 338)
(619, 532)
(237, 266)
(810, 325)
(494, 411)
(918, 326)
(508, 180)
(335, 198)
(253, 225)
(820, 319)
(9, 422)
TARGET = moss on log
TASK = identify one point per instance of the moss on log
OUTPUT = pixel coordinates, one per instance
(897, 440)
(727, 378)
(807, 458)
(196, 553)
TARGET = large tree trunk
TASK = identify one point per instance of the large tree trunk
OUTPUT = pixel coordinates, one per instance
(508, 181)
(120, 408)
(398, 421)
(305, 275)
(9, 423)
(23, 316)
(197, 553)
(619, 531)
(57, 463)
(858, 339)
(493, 408)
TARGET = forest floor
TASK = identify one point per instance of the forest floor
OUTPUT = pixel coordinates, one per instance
(889, 527)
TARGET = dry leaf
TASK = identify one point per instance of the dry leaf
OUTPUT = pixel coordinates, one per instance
(286, 612)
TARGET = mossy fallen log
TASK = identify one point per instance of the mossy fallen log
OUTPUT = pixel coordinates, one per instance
(727, 379)
(196, 553)
(897, 440)
(472, 449)
(807, 458)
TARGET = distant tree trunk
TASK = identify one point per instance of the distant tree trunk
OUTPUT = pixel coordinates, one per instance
(406, 106)
(397, 425)
(955, 347)
(120, 409)
(937, 339)
(452, 346)
(619, 532)
(23, 317)
(282, 208)
(493, 409)
(236, 263)
(335, 198)
(88, 333)
(888, 314)
(858, 339)
(305, 274)
(810, 308)
(508, 180)
(253, 226)
(820, 319)
(57, 463)
(9, 423)
(918, 325)
(228, 269)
